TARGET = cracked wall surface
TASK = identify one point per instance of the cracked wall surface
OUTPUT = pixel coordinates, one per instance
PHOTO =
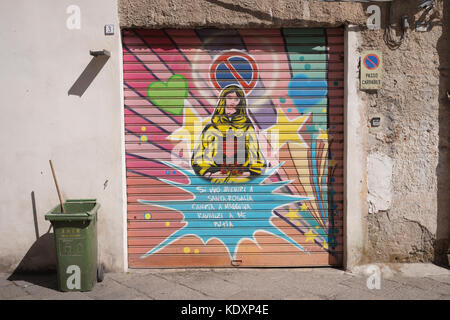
(411, 223)
(413, 135)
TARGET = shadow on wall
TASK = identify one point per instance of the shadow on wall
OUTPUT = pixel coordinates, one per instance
(442, 246)
(88, 75)
(41, 257)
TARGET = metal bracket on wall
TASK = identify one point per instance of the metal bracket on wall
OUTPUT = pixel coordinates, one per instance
(97, 53)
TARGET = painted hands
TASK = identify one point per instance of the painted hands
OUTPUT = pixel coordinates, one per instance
(228, 176)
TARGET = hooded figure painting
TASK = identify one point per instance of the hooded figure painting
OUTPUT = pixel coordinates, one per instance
(228, 150)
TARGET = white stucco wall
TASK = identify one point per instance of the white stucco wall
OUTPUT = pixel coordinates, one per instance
(40, 61)
(379, 182)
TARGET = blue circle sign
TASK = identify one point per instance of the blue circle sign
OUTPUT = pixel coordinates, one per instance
(371, 61)
(234, 67)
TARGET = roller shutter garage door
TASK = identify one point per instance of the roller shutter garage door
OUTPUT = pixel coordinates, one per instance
(234, 147)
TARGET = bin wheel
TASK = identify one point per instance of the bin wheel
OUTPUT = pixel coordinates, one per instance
(100, 272)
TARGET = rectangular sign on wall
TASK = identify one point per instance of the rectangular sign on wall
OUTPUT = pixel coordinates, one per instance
(371, 70)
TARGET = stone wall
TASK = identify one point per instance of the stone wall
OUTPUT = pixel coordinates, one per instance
(237, 14)
(407, 146)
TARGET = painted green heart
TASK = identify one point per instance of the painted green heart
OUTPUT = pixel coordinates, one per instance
(169, 96)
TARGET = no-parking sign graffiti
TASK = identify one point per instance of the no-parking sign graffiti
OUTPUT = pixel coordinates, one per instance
(234, 67)
(371, 70)
(234, 147)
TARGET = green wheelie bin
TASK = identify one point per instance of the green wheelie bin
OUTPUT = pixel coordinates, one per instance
(75, 233)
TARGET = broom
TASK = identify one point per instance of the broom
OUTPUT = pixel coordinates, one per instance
(57, 187)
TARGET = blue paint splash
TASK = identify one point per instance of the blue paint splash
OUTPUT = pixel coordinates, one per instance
(307, 94)
(225, 211)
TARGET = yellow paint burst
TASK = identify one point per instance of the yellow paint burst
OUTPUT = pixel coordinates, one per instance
(323, 134)
(310, 236)
(192, 127)
(286, 130)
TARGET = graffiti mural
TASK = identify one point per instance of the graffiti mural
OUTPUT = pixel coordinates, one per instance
(234, 147)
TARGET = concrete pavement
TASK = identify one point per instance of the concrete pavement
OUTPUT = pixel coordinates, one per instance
(419, 281)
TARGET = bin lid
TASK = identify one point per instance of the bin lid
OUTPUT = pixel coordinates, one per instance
(76, 209)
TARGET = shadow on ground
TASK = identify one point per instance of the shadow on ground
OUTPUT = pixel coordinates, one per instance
(39, 259)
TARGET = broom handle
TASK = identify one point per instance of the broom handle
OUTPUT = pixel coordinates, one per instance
(57, 187)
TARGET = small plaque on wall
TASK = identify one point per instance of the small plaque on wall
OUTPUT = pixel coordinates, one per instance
(371, 70)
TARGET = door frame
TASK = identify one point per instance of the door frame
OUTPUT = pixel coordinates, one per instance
(355, 136)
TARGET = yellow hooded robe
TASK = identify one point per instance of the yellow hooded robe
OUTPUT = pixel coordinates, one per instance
(209, 154)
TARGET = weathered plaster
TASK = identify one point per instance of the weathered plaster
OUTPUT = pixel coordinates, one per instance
(408, 105)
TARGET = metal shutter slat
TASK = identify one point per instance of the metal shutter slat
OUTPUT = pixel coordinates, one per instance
(292, 83)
